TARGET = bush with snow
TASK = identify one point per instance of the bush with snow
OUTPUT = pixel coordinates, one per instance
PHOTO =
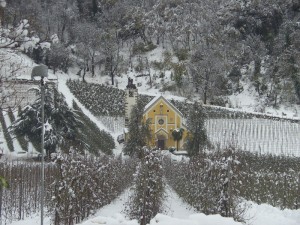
(146, 200)
(217, 181)
(84, 184)
(75, 186)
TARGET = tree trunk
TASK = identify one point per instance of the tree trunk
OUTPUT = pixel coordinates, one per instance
(93, 66)
(112, 77)
(205, 88)
(205, 95)
(83, 76)
(62, 33)
(112, 71)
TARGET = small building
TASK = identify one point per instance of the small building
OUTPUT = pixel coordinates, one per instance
(162, 115)
(164, 118)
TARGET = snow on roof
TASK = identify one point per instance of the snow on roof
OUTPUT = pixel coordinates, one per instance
(155, 99)
(152, 102)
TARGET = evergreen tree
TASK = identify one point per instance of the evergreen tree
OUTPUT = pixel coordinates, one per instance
(60, 123)
(139, 131)
(197, 137)
(177, 135)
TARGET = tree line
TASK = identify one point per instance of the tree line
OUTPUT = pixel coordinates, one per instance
(218, 44)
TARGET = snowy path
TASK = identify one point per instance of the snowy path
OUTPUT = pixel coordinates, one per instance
(64, 89)
(175, 206)
(177, 213)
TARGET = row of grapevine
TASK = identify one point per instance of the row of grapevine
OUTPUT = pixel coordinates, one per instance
(256, 135)
(113, 123)
(99, 99)
(218, 179)
(75, 186)
(148, 188)
(21, 139)
(22, 197)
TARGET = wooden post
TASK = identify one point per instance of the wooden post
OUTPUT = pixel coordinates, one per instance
(229, 189)
(1, 194)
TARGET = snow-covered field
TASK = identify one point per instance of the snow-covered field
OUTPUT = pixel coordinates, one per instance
(278, 137)
(179, 213)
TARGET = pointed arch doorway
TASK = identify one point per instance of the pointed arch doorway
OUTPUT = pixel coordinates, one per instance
(161, 139)
(161, 142)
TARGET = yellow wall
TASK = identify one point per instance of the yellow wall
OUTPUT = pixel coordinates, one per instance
(172, 120)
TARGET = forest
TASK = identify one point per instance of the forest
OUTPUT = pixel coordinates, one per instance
(219, 46)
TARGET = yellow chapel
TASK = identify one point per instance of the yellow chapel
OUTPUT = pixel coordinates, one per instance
(164, 117)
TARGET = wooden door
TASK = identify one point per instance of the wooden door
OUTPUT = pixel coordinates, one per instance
(161, 144)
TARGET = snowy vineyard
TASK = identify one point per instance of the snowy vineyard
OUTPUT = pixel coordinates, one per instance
(261, 178)
(114, 124)
(264, 136)
(247, 131)
(99, 99)
(75, 186)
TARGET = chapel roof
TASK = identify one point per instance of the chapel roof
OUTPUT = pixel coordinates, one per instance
(156, 99)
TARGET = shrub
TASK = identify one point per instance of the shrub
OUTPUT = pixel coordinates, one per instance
(182, 54)
(216, 181)
(141, 47)
(146, 200)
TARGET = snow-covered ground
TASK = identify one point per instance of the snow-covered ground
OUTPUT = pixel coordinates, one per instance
(179, 213)
(260, 135)
(249, 101)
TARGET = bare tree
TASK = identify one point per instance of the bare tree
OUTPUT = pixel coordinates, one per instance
(110, 48)
(88, 40)
(8, 72)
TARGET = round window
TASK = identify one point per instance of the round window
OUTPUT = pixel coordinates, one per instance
(161, 121)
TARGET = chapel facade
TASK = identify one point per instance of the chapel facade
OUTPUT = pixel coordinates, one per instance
(164, 118)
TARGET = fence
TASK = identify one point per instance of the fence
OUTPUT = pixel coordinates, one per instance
(22, 198)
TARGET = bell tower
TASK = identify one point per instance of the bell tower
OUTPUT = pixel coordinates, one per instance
(131, 94)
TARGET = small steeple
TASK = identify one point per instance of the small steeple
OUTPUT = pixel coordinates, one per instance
(130, 99)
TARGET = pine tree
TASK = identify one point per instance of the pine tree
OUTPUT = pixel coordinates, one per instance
(139, 132)
(60, 123)
(197, 137)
